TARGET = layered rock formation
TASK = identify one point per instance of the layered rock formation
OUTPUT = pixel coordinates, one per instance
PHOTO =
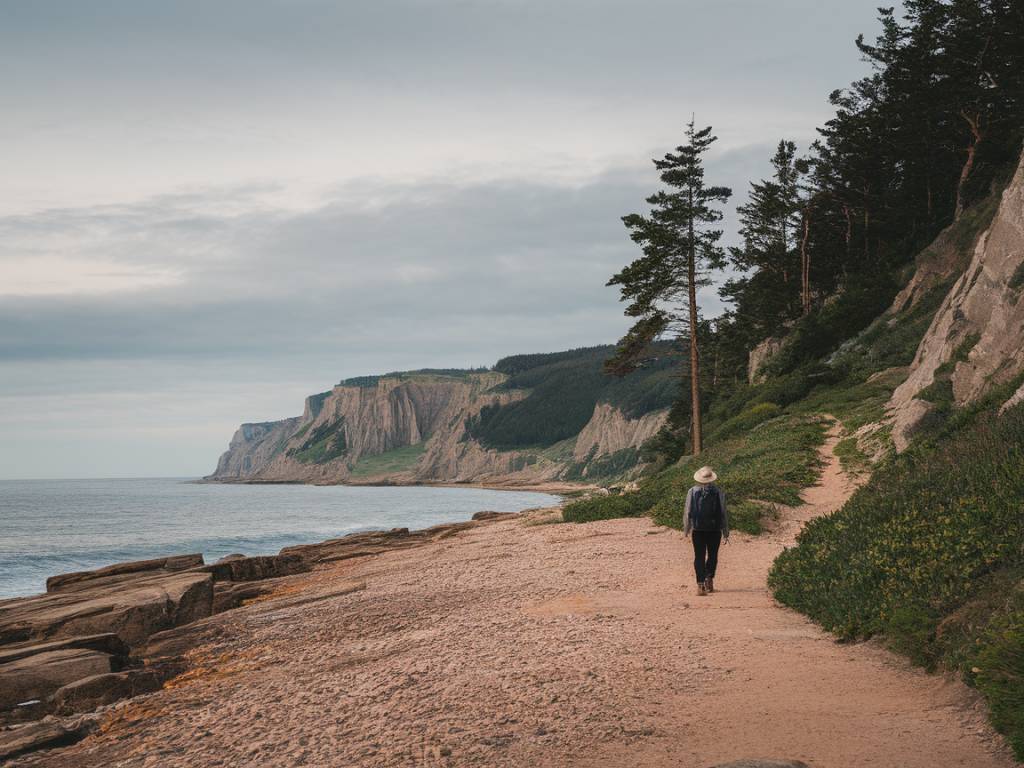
(411, 428)
(610, 430)
(96, 637)
(976, 339)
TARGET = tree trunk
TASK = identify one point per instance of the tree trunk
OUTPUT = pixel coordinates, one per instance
(867, 224)
(805, 264)
(849, 227)
(975, 125)
(691, 267)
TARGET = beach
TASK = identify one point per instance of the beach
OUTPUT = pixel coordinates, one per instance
(522, 641)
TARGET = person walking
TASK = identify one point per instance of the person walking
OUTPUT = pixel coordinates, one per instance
(705, 519)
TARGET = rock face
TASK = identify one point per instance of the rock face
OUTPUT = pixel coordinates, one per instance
(979, 329)
(253, 446)
(610, 430)
(416, 424)
(759, 356)
(42, 735)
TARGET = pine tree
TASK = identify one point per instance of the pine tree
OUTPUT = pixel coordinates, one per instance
(680, 249)
(770, 224)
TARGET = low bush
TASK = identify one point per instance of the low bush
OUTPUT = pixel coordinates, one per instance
(603, 508)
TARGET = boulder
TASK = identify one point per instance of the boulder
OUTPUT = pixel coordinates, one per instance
(91, 692)
(372, 541)
(167, 564)
(40, 675)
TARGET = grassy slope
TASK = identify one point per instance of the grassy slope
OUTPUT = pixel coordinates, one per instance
(770, 464)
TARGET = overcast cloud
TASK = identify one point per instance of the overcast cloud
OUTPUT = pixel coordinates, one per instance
(212, 209)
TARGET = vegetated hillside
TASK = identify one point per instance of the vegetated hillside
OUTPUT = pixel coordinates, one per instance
(929, 554)
(531, 419)
(563, 389)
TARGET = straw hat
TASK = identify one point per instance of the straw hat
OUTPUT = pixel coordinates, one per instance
(705, 475)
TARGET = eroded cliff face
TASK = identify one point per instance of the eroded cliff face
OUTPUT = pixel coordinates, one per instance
(610, 430)
(411, 429)
(976, 340)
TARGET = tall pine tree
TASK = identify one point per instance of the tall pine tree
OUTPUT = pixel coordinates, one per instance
(680, 249)
(770, 224)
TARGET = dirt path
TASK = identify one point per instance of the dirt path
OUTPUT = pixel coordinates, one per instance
(548, 645)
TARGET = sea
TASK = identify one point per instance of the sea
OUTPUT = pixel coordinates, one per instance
(58, 526)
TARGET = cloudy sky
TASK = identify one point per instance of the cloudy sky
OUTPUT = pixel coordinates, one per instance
(210, 209)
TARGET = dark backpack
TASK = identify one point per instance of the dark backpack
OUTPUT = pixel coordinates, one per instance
(706, 509)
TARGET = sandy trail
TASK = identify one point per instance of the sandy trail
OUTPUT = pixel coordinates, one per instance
(549, 645)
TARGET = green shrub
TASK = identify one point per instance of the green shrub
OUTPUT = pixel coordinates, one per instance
(998, 669)
(603, 508)
(850, 456)
(820, 333)
(396, 460)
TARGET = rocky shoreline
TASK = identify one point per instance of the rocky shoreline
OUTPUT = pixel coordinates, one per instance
(95, 638)
(497, 643)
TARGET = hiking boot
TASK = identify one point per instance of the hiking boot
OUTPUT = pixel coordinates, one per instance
(709, 584)
(702, 590)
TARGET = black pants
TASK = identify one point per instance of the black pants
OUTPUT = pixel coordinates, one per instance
(705, 553)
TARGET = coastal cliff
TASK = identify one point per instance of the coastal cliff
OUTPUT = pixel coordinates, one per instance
(452, 427)
(975, 339)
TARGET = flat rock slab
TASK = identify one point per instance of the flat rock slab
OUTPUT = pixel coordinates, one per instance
(107, 642)
(170, 564)
(91, 692)
(28, 738)
(38, 676)
(132, 610)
